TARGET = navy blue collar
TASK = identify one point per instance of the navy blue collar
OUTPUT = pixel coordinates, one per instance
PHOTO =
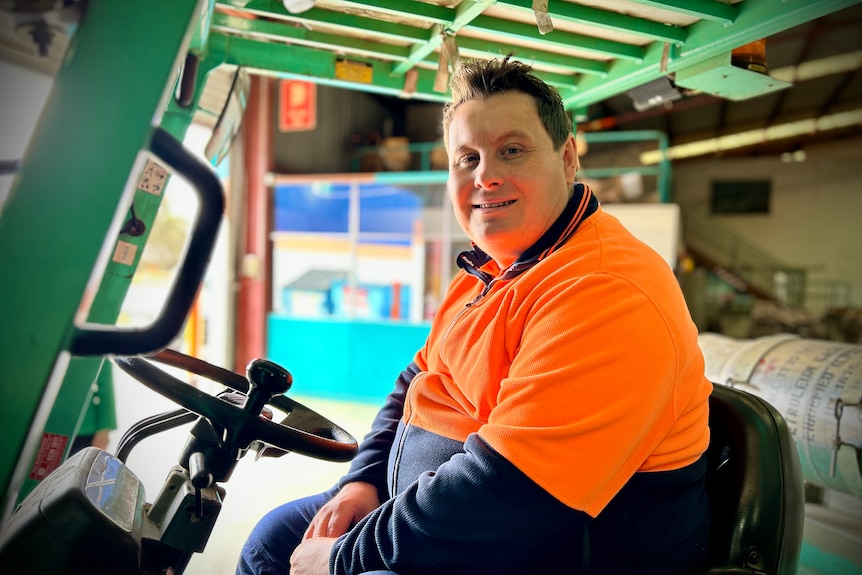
(580, 206)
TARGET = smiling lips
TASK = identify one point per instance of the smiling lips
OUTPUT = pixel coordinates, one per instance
(494, 205)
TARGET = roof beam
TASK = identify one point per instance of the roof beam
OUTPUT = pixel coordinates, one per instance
(464, 14)
(701, 9)
(706, 39)
(301, 62)
(598, 46)
(604, 19)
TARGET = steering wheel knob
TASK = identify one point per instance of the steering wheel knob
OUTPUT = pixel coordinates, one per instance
(268, 377)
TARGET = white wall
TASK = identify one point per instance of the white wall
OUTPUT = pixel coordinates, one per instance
(657, 225)
(23, 94)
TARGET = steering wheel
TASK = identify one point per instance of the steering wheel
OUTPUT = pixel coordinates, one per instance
(302, 431)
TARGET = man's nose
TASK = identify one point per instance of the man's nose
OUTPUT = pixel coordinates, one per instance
(488, 174)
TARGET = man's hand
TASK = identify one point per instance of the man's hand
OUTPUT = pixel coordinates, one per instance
(101, 439)
(311, 557)
(353, 502)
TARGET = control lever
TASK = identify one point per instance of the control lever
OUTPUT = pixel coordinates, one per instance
(201, 478)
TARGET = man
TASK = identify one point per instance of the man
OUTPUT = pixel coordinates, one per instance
(555, 420)
(101, 415)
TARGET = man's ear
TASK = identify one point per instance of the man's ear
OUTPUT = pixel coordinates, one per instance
(570, 158)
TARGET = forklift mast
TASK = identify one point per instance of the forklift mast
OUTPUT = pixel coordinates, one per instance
(107, 141)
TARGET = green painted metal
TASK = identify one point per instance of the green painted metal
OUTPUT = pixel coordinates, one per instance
(598, 46)
(700, 9)
(755, 20)
(719, 77)
(70, 405)
(278, 31)
(662, 171)
(412, 178)
(464, 14)
(319, 66)
(64, 202)
(281, 31)
(177, 119)
(621, 76)
(610, 67)
(373, 27)
(429, 13)
(76, 389)
(201, 30)
(469, 46)
(605, 20)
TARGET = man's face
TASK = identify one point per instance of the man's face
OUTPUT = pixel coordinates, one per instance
(507, 182)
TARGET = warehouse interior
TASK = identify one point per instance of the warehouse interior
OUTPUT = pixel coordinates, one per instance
(729, 132)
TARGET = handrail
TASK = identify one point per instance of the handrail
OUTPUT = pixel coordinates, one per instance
(834, 294)
(97, 339)
(762, 271)
(662, 172)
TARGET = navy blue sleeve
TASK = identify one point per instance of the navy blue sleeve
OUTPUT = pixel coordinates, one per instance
(369, 465)
(477, 513)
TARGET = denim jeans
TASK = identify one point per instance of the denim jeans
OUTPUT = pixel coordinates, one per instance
(268, 548)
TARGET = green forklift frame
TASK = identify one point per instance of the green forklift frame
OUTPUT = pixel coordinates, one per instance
(55, 253)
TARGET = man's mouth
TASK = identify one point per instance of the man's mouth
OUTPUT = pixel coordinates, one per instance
(493, 204)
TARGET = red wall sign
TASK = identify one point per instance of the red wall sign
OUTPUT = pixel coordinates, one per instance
(297, 106)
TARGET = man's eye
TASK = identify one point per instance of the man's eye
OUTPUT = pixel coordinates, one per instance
(468, 159)
(512, 151)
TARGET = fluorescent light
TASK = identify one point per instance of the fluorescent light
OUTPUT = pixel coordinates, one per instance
(753, 137)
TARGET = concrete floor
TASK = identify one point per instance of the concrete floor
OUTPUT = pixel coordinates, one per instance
(255, 487)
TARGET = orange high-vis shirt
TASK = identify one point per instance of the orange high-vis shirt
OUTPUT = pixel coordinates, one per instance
(581, 371)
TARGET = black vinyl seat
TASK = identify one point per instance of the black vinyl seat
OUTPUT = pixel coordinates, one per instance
(754, 481)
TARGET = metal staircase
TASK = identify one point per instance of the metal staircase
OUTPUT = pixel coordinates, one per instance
(742, 265)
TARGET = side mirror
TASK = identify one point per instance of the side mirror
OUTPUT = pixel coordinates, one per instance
(230, 119)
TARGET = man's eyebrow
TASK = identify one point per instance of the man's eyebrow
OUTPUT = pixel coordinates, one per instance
(516, 133)
(520, 137)
(462, 148)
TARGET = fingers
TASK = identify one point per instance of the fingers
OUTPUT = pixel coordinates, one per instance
(342, 512)
(329, 524)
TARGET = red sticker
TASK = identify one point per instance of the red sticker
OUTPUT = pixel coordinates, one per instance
(49, 456)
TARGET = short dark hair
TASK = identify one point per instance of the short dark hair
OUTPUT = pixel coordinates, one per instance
(478, 79)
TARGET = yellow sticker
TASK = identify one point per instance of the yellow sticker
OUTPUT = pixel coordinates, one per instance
(354, 71)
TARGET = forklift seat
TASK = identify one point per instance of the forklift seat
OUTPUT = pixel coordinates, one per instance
(754, 482)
